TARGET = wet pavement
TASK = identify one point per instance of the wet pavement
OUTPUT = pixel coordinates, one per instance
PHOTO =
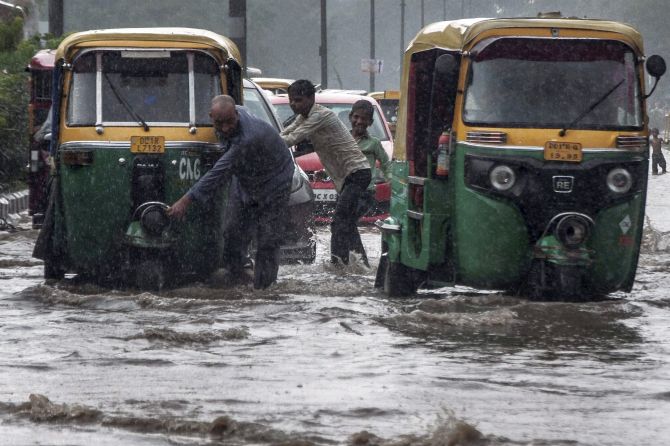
(324, 358)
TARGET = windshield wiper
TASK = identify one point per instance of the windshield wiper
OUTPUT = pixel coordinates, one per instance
(126, 105)
(590, 109)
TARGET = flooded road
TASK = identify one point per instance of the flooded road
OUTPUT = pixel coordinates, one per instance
(324, 358)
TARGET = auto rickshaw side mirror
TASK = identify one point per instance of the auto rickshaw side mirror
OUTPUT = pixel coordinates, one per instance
(446, 66)
(441, 108)
(445, 76)
(445, 71)
(234, 79)
(655, 67)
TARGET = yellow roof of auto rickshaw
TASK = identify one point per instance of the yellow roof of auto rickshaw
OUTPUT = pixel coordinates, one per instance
(457, 34)
(126, 36)
(272, 82)
(386, 94)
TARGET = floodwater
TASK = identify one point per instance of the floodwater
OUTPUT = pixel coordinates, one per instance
(324, 358)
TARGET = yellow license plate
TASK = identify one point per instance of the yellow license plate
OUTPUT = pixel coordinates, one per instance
(563, 151)
(147, 144)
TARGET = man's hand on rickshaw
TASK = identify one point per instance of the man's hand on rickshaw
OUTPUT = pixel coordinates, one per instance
(178, 209)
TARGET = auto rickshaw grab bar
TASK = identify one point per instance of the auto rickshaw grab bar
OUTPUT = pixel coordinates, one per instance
(564, 218)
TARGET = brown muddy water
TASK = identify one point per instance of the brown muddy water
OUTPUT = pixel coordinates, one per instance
(323, 358)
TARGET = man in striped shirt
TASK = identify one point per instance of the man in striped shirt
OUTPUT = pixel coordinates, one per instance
(340, 156)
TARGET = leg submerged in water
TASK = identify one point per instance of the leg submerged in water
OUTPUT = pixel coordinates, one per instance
(272, 220)
(266, 267)
(344, 231)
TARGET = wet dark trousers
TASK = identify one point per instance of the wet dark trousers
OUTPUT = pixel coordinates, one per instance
(266, 223)
(344, 230)
(657, 160)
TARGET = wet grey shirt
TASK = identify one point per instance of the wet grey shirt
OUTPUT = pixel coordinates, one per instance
(332, 141)
(258, 158)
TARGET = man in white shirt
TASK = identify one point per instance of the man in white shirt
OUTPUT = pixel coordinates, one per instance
(340, 156)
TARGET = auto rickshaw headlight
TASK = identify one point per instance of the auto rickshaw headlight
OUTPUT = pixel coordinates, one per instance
(502, 177)
(619, 180)
(572, 231)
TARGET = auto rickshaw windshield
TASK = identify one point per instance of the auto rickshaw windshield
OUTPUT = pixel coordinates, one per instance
(550, 83)
(152, 86)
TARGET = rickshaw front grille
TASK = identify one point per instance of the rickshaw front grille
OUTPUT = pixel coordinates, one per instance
(486, 137)
(638, 143)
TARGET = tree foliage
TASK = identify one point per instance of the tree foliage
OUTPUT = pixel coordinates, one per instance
(10, 34)
(13, 94)
(15, 54)
(13, 127)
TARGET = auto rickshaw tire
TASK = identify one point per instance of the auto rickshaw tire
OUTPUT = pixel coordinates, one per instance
(533, 287)
(380, 277)
(399, 280)
(150, 275)
(546, 282)
(53, 270)
(382, 266)
(569, 283)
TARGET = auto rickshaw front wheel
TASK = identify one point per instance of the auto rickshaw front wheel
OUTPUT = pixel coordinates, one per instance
(549, 282)
(399, 280)
(150, 275)
(53, 270)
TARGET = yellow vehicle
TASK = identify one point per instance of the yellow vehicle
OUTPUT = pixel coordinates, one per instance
(274, 84)
(130, 133)
(389, 101)
(522, 149)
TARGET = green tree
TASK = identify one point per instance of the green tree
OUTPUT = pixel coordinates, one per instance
(15, 53)
(13, 128)
(10, 34)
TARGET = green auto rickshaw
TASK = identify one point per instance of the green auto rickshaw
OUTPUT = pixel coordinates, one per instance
(130, 133)
(522, 149)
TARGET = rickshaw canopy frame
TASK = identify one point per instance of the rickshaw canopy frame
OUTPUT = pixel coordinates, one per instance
(160, 34)
(456, 35)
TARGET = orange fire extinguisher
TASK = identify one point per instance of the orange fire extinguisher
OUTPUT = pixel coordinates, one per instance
(442, 167)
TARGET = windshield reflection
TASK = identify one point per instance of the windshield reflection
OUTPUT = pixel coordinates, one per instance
(342, 111)
(552, 83)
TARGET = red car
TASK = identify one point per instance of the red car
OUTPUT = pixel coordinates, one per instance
(323, 187)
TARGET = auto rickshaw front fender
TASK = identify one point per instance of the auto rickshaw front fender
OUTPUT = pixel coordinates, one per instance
(137, 237)
(551, 250)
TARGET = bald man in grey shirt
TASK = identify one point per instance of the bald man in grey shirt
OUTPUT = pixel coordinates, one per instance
(262, 168)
